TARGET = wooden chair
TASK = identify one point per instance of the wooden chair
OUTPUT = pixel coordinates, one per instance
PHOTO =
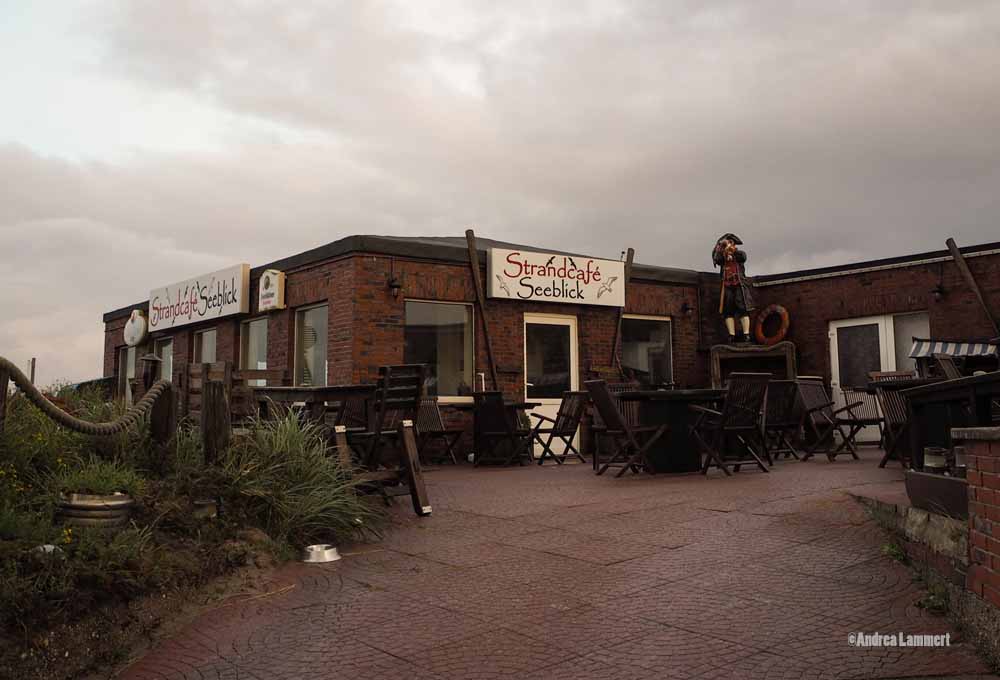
(822, 421)
(865, 414)
(735, 435)
(628, 453)
(563, 428)
(430, 426)
(629, 409)
(499, 429)
(783, 417)
(397, 398)
(897, 421)
(946, 363)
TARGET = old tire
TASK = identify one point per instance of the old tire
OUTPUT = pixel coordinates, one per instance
(784, 322)
(90, 510)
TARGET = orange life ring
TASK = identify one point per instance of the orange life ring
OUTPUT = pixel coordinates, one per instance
(768, 312)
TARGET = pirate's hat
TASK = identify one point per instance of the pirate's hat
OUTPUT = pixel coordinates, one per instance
(732, 237)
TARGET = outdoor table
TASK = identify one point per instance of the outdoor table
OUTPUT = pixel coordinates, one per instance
(676, 451)
(936, 408)
(516, 408)
(315, 398)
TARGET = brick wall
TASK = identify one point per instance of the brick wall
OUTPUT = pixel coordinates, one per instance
(983, 460)
(812, 305)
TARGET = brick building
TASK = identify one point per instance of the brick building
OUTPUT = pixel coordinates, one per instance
(365, 301)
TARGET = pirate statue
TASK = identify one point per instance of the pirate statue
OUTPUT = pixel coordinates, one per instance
(735, 299)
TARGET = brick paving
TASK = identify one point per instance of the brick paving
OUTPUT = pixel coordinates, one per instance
(554, 573)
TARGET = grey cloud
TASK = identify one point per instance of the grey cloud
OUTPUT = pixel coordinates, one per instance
(822, 133)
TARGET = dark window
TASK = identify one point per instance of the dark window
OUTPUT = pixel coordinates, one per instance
(440, 335)
(647, 355)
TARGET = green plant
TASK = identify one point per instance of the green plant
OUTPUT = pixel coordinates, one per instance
(936, 600)
(894, 551)
(283, 479)
(98, 476)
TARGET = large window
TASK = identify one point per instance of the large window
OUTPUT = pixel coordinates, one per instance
(439, 334)
(253, 347)
(164, 349)
(204, 347)
(647, 354)
(310, 346)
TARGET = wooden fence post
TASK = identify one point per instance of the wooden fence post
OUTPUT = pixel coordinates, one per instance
(4, 382)
(163, 417)
(216, 423)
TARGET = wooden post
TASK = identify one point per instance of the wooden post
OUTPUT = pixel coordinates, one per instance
(163, 417)
(31, 370)
(216, 425)
(470, 238)
(344, 453)
(414, 474)
(4, 386)
(966, 273)
(615, 359)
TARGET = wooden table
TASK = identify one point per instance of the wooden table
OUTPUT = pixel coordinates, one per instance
(937, 408)
(676, 451)
(314, 398)
(516, 408)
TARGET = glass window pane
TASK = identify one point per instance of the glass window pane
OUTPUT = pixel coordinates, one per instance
(253, 342)
(310, 346)
(440, 336)
(547, 354)
(165, 351)
(646, 350)
(858, 353)
(204, 347)
(905, 328)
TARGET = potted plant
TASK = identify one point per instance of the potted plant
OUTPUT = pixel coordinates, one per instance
(99, 493)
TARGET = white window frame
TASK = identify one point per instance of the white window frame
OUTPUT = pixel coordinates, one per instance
(295, 339)
(158, 347)
(444, 401)
(653, 317)
(196, 350)
(244, 326)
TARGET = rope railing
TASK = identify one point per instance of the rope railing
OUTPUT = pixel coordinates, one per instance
(127, 420)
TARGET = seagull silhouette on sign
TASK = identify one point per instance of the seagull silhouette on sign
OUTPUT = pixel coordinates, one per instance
(571, 261)
(606, 286)
(503, 285)
(550, 260)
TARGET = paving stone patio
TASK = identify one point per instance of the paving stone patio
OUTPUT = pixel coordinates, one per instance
(554, 573)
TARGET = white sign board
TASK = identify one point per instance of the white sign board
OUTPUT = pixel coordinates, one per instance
(271, 291)
(215, 295)
(545, 277)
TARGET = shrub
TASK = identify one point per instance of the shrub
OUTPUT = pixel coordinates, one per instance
(283, 479)
(98, 477)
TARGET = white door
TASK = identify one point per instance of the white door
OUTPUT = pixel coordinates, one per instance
(551, 366)
(872, 343)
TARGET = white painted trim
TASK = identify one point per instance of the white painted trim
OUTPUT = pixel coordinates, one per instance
(647, 317)
(878, 268)
(445, 401)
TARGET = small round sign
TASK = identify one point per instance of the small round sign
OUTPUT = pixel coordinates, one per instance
(135, 328)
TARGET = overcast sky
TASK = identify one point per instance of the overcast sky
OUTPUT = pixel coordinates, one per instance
(143, 142)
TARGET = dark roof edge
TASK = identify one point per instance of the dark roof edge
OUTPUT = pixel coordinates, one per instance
(886, 263)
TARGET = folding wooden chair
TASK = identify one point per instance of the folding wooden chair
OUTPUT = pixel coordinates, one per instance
(822, 421)
(628, 453)
(430, 426)
(735, 435)
(864, 414)
(563, 428)
(946, 363)
(397, 397)
(629, 409)
(897, 422)
(498, 429)
(783, 417)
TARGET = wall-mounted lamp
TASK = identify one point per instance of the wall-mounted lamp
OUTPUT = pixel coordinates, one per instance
(686, 309)
(938, 292)
(394, 285)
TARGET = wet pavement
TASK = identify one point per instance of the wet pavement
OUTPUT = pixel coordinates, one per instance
(555, 573)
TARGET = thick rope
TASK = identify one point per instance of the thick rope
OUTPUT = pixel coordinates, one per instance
(126, 421)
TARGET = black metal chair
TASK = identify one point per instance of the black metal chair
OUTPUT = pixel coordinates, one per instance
(563, 428)
(783, 418)
(735, 436)
(821, 422)
(628, 453)
(897, 423)
(431, 426)
(864, 414)
(501, 438)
